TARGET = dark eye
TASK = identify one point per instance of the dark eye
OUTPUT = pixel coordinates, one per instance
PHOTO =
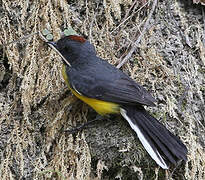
(68, 49)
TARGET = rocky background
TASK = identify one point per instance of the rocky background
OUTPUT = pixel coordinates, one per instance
(36, 107)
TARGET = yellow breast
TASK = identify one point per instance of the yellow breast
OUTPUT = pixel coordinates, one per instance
(101, 107)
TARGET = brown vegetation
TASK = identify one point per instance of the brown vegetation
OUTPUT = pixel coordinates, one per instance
(36, 107)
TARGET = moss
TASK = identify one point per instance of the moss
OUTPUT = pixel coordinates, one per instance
(36, 107)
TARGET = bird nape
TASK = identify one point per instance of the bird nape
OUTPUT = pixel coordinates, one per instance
(109, 91)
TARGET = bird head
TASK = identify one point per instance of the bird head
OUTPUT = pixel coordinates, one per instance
(75, 49)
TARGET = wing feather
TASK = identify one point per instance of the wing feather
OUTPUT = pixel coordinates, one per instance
(105, 82)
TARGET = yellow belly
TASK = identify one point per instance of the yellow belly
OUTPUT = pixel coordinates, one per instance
(101, 107)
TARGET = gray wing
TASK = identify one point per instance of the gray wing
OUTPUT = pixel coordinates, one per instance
(109, 85)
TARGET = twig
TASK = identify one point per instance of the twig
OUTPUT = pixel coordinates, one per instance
(136, 43)
(44, 39)
(85, 125)
(126, 18)
(203, 15)
(92, 22)
(25, 37)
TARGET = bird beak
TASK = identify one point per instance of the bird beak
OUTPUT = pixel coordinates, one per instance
(54, 46)
(52, 43)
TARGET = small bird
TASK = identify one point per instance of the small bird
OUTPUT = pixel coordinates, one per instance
(109, 91)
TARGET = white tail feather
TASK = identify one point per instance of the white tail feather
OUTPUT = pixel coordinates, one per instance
(153, 153)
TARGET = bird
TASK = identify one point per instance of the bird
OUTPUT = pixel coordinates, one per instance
(108, 90)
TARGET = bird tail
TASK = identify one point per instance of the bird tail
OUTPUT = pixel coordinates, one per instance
(164, 147)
